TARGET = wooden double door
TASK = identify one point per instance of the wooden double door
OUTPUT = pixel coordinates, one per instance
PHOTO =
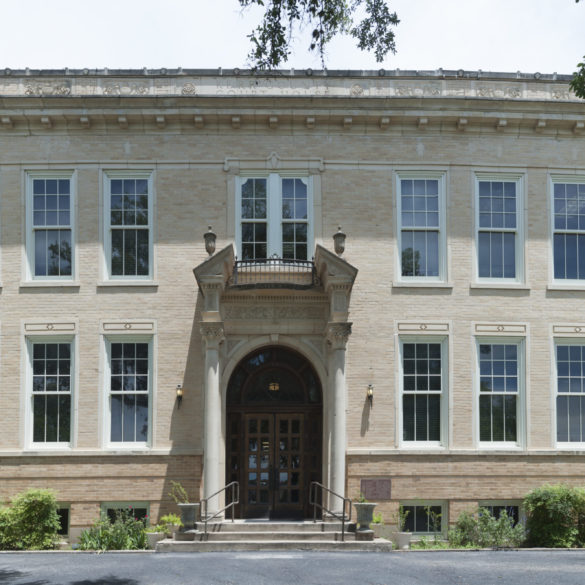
(274, 456)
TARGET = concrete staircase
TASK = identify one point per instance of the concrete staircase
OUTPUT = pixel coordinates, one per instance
(247, 535)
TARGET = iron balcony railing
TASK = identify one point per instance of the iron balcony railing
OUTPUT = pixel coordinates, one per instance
(274, 272)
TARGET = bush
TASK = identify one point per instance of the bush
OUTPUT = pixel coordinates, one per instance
(123, 533)
(556, 516)
(31, 522)
(484, 530)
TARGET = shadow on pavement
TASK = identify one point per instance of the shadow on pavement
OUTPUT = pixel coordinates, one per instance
(9, 575)
(104, 581)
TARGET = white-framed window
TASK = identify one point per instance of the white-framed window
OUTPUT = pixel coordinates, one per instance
(128, 378)
(274, 215)
(128, 224)
(50, 383)
(568, 228)
(512, 508)
(499, 227)
(421, 213)
(500, 391)
(425, 517)
(50, 220)
(424, 386)
(570, 392)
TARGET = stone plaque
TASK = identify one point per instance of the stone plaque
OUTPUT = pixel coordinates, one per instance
(375, 489)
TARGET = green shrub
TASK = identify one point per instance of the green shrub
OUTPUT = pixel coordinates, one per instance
(31, 522)
(124, 532)
(484, 530)
(556, 516)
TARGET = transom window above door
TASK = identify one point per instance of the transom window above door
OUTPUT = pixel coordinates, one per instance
(274, 217)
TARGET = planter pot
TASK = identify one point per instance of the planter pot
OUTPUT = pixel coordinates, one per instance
(189, 514)
(153, 538)
(365, 514)
(171, 529)
(402, 540)
(383, 531)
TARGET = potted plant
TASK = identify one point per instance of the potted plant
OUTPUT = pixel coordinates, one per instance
(155, 534)
(189, 510)
(402, 536)
(364, 517)
(172, 523)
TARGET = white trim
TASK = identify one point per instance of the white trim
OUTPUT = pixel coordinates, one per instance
(29, 341)
(502, 338)
(108, 277)
(520, 244)
(130, 337)
(441, 177)
(28, 274)
(561, 283)
(445, 393)
(274, 219)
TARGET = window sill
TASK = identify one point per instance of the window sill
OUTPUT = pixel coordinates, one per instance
(50, 284)
(127, 283)
(421, 284)
(576, 286)
(497, 285)
(490, 447)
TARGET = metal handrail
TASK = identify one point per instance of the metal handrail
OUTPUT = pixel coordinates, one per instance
(315, 485)
(235, 499)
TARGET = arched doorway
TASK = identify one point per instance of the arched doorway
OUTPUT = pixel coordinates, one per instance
(274, 433)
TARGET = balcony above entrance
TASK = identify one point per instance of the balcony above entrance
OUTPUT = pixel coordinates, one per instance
(274, 272)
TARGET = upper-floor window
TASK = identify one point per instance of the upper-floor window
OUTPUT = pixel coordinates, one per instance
(51, 390)
(129, 375)
(274, 217)
(424, 384)
(128, 223)
(500, 393)
(421, 211)
(570, 400)
(498, 228)
(568, 228)
(50, 237)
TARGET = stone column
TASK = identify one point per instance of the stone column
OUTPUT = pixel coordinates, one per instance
(213, 335)
(337, 336)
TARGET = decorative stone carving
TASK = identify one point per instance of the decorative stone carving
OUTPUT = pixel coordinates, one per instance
(212, 333)
(189, 89)
(356, 90)
(337, 334)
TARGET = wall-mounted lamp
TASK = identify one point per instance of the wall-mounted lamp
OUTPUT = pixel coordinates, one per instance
(209, 237)
(370, 395)
(179, 395)
(273, 386)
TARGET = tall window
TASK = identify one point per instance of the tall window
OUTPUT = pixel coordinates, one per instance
(51, 392)
(569, 229)
(128, 208)
(570, 360)
(275, 217)
(50, 223)
(500, 386)
(129, 391)
(423, 385)
(499, 246)
(421, 233)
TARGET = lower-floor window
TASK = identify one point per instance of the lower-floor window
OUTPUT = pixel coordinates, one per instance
(136, 510)
(51, 391)
(512, 511)
(129, 391)
(570, 361)
(63, 514)
(423, 518)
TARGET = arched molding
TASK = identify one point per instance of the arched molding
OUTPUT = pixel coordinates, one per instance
(295, 343)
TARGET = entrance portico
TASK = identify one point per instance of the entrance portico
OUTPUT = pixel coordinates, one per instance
(311, 324)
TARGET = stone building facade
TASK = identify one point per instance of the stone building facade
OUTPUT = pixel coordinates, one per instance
(438, 360)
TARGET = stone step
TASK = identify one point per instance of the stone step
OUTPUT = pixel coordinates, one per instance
(263, 526)
(377, 545)
(271, 535)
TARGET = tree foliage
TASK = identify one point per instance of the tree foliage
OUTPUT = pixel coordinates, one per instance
(272, 39)
(578, 82)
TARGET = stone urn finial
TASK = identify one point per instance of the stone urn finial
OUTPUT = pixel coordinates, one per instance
(339, 241)
(210, 237)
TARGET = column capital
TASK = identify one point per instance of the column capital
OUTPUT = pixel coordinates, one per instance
(213, 334)
(337, 334)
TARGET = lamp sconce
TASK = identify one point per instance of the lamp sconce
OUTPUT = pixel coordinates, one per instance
(209, 236)
(339, 242)
(370, 395)
(179, 395)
